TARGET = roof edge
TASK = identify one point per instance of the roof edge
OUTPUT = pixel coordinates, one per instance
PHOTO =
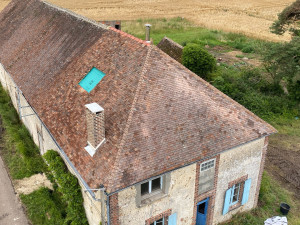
(209, 85)
(208, 157)
(79, 17)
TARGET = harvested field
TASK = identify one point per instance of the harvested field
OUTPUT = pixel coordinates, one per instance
(252, 17)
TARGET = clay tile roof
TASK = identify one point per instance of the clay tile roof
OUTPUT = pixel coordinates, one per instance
(159, 116)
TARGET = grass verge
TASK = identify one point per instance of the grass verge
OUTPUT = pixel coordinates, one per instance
(19, 152)
(44, 207)
(23, 159)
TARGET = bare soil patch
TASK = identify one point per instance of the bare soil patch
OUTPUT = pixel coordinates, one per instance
(30, 184)
(233, 57)
(283, 159)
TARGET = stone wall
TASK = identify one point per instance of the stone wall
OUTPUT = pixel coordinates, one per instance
(236, 164)
(180, 199)
(172, 48)
(34, 125)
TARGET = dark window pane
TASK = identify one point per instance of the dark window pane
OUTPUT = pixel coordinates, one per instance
(159, 222)
(145, 188)
(151, 223)
(236, 193)
(156, 184)
(201, 208)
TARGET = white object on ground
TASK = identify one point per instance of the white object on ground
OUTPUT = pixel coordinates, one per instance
(276, 220)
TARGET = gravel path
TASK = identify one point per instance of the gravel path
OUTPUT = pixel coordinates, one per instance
(11, 211)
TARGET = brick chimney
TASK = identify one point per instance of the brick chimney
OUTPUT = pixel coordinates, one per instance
(95, 127)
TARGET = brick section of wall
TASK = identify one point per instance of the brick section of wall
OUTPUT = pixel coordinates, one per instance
(172, 48)
(114, 209)
(165, 214)
(95, 127)
(209, 194)
(261, 170)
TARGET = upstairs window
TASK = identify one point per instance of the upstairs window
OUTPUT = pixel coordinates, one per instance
(207, 176)
(152, 190)
(152, 186)
(90, 81)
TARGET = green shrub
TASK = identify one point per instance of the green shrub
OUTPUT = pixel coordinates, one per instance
(69, 188)
(44, 207)
(20, 153)
(198, 60)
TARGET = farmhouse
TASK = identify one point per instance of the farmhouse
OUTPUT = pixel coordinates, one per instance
(149, 141)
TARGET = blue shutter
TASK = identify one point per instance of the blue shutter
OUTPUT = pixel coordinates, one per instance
(172, 219)
(227, 201)
(247, 186)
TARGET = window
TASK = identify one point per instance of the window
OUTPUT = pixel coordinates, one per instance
(152, 190)
(152, 186)
(208, 164)
(237, 195)
(207, 176)
(90, 81)
(161, 221)
(165, 218)
(235, 191)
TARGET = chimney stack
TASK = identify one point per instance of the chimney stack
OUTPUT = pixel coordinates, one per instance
(95, 127)
(148, 32)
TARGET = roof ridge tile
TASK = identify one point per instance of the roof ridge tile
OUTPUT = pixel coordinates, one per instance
(129, 35)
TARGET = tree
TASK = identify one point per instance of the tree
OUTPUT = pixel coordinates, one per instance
(198, 60)
(288, 19)
(282, 60)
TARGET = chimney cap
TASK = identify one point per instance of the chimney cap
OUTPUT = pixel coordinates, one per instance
(147, 25)
(94, 107)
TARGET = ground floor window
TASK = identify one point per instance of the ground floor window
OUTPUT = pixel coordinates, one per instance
(237, 194)
(162, 221)
(165, 218)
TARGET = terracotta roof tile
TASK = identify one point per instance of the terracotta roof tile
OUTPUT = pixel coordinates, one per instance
(158, 115)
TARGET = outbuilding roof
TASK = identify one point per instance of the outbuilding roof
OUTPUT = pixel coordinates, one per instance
(159, 116)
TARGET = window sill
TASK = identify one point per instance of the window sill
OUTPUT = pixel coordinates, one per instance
(149, 198)
(235, 206)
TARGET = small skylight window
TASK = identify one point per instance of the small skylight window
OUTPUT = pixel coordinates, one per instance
(90, 81)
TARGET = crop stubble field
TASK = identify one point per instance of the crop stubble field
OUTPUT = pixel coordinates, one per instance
(251, 17)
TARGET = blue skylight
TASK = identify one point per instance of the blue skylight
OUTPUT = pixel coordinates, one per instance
(90, 81)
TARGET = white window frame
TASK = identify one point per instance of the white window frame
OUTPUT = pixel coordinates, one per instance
(150, 185)
(163, 220)
(232, 194)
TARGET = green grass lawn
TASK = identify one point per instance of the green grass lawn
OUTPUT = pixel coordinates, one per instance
(182, 31)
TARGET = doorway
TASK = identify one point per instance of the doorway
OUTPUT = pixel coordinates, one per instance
(202, 212)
